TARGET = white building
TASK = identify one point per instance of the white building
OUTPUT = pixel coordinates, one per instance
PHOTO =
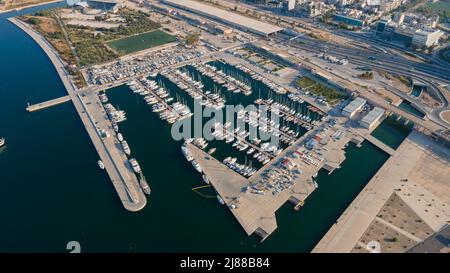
(426, 38)
(353, 107)
(291, 4)
(372, 118)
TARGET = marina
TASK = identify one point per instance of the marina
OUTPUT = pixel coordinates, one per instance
(243, 188)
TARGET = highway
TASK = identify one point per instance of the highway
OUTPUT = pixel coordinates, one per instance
(374, 99)
(432, 71)
(430, 74)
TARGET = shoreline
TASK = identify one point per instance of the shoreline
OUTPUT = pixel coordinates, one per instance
(30, 6)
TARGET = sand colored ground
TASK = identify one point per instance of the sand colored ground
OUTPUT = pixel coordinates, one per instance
(404, 203)
(446, 116)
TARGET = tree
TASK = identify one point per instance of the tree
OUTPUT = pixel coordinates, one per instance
(33, 21)
(192, 38)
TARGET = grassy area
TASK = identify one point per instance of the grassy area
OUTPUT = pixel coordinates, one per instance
(441, 8)
(45, 23)
(141, 41)
(318, 89)
(91, 43)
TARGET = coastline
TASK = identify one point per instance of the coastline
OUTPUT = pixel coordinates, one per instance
(123, 179)
(30, 6)
(345, 234)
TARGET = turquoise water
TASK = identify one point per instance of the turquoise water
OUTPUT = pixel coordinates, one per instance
(53, 191)
(392, 132)
(406, 105)
(417, 90)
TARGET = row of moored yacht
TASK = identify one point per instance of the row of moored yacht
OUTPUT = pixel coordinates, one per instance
(159, 98)
(242, 169)
(117, 116)
(194, 89)
(230, 83)
(256, 76)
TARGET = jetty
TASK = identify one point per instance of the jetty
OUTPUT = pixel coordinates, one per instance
(97, 124)
(46, 104)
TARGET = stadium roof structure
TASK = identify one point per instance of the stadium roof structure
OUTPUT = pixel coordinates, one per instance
(231, 18)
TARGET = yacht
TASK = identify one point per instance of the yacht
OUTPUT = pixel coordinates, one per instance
(144, 185)
(120, 137)
(205, 179)
(125, 147)
(220, 200)
(135, 165)
(115, 127)
(101, 165)
(2, 142)
(196, 166)
(186, 153)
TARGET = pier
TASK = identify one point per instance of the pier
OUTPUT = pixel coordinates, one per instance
(295, 119)
(88, 107)
(46, 104)
(216, 73)
(379, 144)
(173, 77)
(252, 200)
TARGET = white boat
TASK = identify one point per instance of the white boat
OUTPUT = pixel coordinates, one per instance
(120, 137)
(220, 200)
(2, 142)
(125, 147)
(196, 166)
(205, 179)
(144, 185)
(135, 165)
(186, 153)
(115, 127)
(101, 165)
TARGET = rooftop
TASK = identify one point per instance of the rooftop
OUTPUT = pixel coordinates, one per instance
(374, 114)
(229, 17)
(354, 105)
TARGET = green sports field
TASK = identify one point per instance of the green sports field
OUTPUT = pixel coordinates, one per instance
(141, 41)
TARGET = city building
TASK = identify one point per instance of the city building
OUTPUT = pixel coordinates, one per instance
(238, 21)
(353, 107)
(348, 20)
(426, 38)
(111, 6)
(372, 118)
(106, 5)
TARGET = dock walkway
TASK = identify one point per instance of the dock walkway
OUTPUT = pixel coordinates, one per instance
(46, 104)
(379, 144)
